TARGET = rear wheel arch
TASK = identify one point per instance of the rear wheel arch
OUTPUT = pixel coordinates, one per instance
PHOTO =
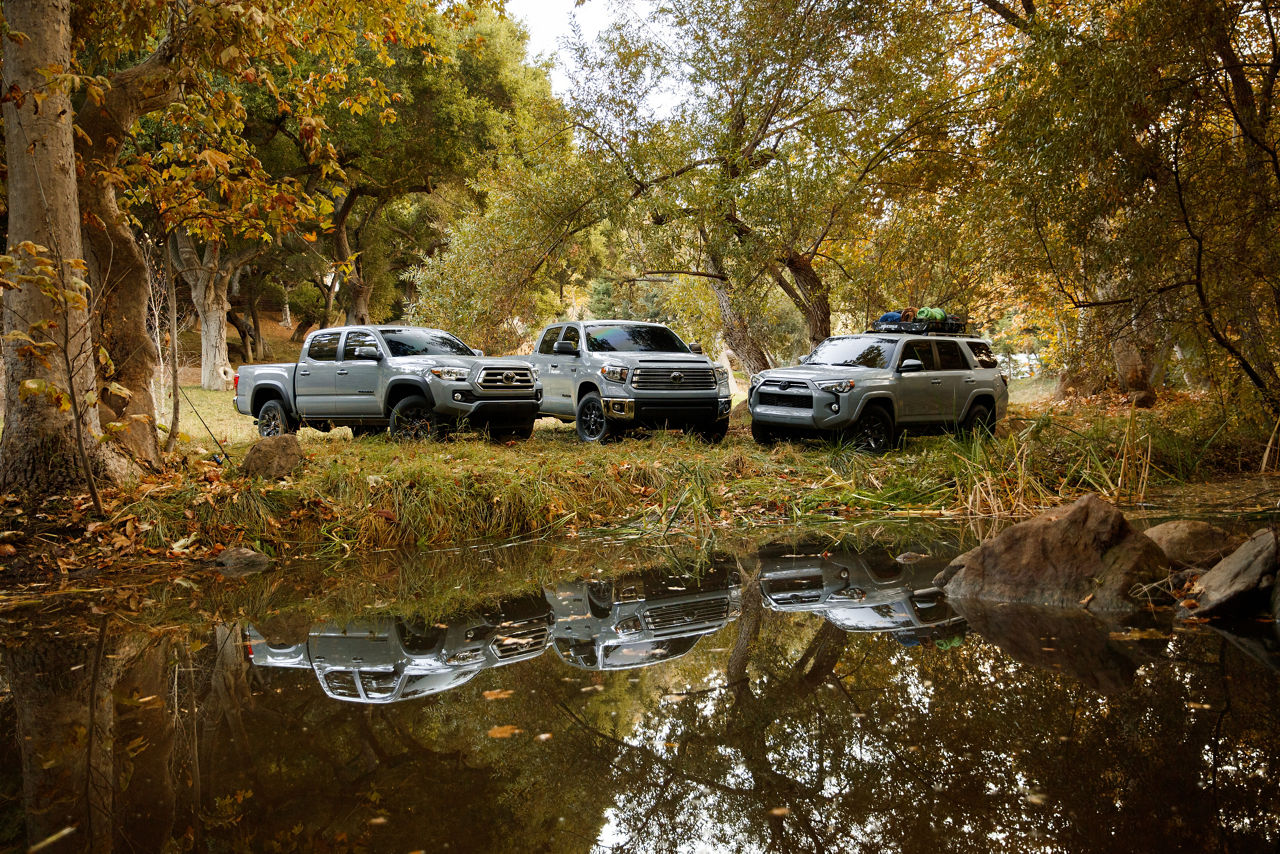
(264, 394)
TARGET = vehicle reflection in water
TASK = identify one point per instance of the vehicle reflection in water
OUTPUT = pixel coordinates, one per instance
(386, 659)
(862, 592)
(636, 622)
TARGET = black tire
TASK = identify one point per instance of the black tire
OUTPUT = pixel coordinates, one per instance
(711, 432)
(600, 598)
(590, 419)
(274, 420)
(509, 433)
(979, 421)
(414, 418)
(764, 435)
(873, 432)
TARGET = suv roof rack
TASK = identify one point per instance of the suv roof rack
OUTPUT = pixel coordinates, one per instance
(955, 328)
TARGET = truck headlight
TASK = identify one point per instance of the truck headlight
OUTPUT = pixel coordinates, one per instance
(836, 386)
(450, 373)
(614, 373)
(722, 375)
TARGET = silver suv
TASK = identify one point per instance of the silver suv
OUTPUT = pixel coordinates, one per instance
(866, 388)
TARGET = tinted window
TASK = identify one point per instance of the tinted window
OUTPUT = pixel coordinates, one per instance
(549, 340)
(922, 350)
(863, 352)
(628, 338)
(982, 353)
(324, 347)
(950, 358)
(354, 340)
(410, 341)
(573, 336)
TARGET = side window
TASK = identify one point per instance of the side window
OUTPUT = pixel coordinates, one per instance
(324, 347)
(354, 340)
(949, 357)
(922, 350)
(573, 336)
(982, 353)
(549, 340)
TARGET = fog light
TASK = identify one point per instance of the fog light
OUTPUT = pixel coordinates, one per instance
(457, 395)
(835, 407)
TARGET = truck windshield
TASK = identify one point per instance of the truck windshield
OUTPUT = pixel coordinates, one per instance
(632, 338)
(855, 352)
(404, 341)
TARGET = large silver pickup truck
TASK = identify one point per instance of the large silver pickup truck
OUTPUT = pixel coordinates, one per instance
(611, 375)
(867, 388)
(420, 382)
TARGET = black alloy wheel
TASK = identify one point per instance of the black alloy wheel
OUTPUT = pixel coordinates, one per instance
(872, 433)
(980, 421)
(413, 418)
(592, 424)
(762, 434)
(273, 420)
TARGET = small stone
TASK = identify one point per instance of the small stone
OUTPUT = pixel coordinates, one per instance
(242, 561)
(1230, 585)
(273, 458)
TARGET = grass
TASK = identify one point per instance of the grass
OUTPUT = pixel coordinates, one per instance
(374, 493)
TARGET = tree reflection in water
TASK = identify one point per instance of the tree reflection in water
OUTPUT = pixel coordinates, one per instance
(779, 731)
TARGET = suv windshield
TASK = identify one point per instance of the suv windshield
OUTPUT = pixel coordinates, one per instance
(858, 352)
(423, 342)
(618, 338)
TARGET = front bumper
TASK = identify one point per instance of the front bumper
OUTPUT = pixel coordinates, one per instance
(670, 411)
(808, 408)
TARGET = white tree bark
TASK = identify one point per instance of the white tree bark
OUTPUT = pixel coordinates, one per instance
(210, 278)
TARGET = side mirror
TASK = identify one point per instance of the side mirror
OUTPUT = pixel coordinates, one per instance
(564, 348)
(368, 354)
(695, 347)
(911, 366)
(476, 352)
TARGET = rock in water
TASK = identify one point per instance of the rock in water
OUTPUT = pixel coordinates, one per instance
(1080, 553)
(242, 561)
(1190, 543)
(1249, 570)
(273, 458)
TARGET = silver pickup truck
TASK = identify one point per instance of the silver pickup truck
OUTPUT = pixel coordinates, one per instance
(420, 382)
(868, 387)
(611, 375)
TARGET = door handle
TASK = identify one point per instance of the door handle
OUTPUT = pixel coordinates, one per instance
(305, 373)
(935, 382)
(342, 373)
(970, 380)
(553, 367)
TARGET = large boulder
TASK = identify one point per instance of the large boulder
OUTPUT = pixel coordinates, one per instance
(1191, 543)
(1242, 581)
(1084, 553)
(273, 458)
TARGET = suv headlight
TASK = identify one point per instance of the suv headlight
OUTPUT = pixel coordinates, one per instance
(836, 386)
(722, 375)
(756, 379)
(629, 626)
(614, 373)
(450, 373)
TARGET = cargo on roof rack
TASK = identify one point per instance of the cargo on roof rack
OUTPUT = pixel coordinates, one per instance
(922, 327)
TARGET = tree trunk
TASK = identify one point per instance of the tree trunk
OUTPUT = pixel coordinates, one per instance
(737, 334)
(210, 279)
(117, 268)
(813, 301)
(41, 445)
(245, 329)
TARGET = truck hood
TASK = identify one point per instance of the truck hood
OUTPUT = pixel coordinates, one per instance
(655, 360)
(414, 363)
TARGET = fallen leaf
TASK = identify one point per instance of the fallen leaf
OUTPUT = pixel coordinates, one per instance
(780, 811)
(542, 736)
(504, 731)
(7, 550)
(499, 694)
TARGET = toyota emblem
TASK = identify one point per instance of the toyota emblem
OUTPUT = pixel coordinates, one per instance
(677, 377)
(784, 385)
(509, 378)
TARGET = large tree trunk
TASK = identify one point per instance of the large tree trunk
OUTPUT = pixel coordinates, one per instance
(42, 449)
(810, 296)
(737, 333)
(210, 278)
(116, 264)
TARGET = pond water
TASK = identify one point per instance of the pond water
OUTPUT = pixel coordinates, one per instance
(791, 696)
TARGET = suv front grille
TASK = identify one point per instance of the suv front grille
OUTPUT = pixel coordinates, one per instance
(673, 379)
(789, 401)
(520, 638)
(496, 378)
(674, 616)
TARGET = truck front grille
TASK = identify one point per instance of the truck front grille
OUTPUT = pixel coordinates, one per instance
(497, 378)
(710, 610)
(789, 401)
(521, 638)
(673, 379)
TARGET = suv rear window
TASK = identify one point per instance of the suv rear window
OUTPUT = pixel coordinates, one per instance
(324, 347)
(982, 352)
